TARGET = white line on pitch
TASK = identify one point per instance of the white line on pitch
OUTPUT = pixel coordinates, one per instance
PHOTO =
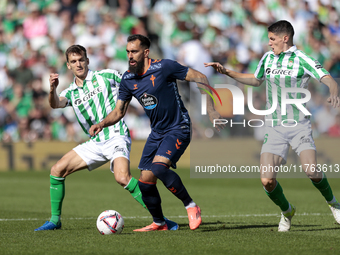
(180, 216)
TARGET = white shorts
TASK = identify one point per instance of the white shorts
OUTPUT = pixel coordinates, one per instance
(277, 139)
(96, 154)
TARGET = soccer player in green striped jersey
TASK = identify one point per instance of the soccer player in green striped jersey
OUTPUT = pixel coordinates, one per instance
(92, 95)
(287, 67)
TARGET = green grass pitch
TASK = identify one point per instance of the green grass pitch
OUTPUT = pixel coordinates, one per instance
(238, 217)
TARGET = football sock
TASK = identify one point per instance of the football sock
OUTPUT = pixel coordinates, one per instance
(57, 193)
(332, 201)
(134, 190)
(288, 210)
(172, 181)
(152, 200)
(191, 205)
(324, 188)
(277, 196)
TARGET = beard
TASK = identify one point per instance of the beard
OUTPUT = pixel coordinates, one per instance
(138, 68)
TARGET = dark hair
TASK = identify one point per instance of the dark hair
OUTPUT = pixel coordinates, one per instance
(282, 27)
(78, 49)
(144, 41)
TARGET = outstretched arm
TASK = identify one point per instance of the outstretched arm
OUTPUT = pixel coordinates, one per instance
(333, 98)
(201, 81)
(245, 78)
(111, 119)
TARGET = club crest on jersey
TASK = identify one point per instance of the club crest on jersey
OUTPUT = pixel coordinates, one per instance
(88, 96)
(290, 63)
(148, 101)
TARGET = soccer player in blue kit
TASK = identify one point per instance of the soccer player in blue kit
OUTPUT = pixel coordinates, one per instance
(153, 83)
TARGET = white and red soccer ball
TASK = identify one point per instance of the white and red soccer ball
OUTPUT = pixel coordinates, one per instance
(110, 222)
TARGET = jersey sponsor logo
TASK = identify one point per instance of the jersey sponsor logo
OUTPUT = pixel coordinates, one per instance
(279, 72)
(148, 101)
(279, 65)
(88, 96)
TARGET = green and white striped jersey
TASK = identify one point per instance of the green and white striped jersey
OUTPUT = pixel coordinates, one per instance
(291, 69)
(95, 100)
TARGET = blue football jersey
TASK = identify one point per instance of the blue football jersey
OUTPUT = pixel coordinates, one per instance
(157, 91)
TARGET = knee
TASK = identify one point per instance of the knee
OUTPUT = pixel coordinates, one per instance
(315, 176)
(159, 169)
(57, 170)
(312, 171)
(268, 183)
(122, 180)
(147, 176)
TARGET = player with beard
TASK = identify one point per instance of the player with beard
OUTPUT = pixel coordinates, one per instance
(92, 95)
(153, 83)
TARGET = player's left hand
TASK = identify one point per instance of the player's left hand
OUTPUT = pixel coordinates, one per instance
(334, 101)
(213, 114)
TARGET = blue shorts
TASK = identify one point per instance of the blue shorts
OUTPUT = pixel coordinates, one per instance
(170, 145)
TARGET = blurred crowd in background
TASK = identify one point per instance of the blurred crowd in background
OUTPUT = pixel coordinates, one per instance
(34, 35)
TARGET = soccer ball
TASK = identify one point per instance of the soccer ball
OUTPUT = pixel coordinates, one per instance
(110, 222)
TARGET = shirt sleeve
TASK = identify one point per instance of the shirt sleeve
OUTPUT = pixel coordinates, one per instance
(312, 67)
(173, 69)
(124, 92)
(67, 94)
(260, 70)
(113, 76)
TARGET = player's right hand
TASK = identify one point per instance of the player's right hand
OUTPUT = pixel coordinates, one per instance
(213, 115)
(54, 80)
(95, 129)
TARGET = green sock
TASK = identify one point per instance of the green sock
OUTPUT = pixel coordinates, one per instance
(133, 188)
(278, 197)
(324, 188)
(57, 193)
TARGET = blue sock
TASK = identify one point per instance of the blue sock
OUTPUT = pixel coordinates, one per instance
(152, 200)
(171, 180)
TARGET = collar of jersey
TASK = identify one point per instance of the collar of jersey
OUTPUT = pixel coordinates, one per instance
(88, 78)
(291, 49)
